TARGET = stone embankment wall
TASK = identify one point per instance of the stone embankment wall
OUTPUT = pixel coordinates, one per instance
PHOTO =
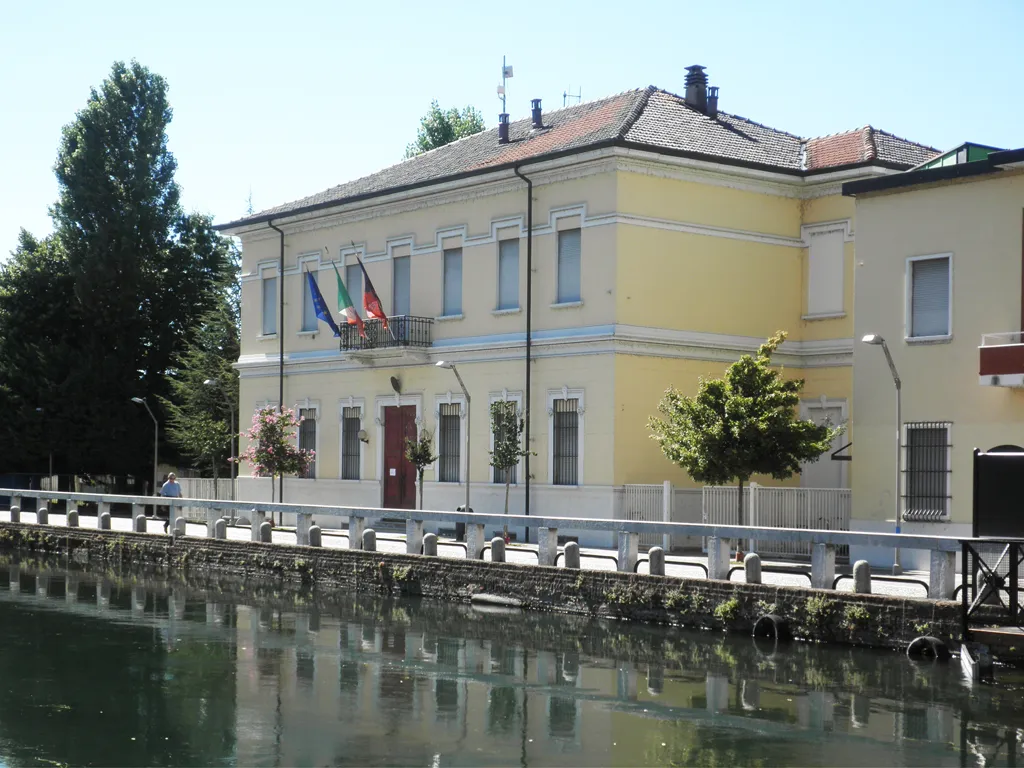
(818, 615)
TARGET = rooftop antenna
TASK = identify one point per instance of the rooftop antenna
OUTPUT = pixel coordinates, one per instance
(506, 73)
(568, 96)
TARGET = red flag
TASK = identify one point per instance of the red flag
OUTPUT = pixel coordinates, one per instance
(371, 301)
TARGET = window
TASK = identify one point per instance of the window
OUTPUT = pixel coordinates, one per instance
(926, 474)
(309, 318)
(307, 438)
(568, 266)
(508, 274)
(452, 282)
(351, 423)
(565, 453)
(354, 286)
(825, 270)
(401, 286)
(508, 420)
(449, 422)
(929, 283)
(269, 306)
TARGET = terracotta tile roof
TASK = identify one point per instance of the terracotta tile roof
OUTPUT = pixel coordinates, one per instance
(648, 118)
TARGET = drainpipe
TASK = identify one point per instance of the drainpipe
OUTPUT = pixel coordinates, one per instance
(529, 327)
(280, 368)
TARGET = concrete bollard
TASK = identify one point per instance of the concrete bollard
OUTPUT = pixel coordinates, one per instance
(43, 515)
(72, 518)
(752, 568)
(430, 544)
(179, 526)
(17, 502)
(256, 520)
(823, 566)
(862, 577)
(572, 555)
(15, 514)
(941, 575)
(220, 529)
(413, 537)
(212, 516)
(474, 541)
(140, 524)
(547, 546)
(718, 559)
(356, 526)
(497, 550)
(103, 521)
(266, 532)
(628, 544)
(369, 540)
(303, 521)
(315, 538)
(656, 561)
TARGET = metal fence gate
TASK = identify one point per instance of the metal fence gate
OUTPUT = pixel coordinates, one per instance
(648, 503)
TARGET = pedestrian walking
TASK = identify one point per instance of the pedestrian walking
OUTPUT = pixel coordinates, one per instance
(172, 490)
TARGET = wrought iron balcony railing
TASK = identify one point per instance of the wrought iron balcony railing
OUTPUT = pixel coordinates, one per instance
(402, 331)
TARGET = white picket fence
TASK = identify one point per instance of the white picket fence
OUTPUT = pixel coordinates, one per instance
(651, 503)
(773, 507)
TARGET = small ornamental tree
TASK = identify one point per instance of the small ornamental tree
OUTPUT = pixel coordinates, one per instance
(420, 454)
(507, 426)
(741, 425)
(272, 451)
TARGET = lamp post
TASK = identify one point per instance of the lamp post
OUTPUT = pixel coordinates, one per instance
(875, 340)
(156, 441)
(49, 444)
(231, 447)
(465, 393)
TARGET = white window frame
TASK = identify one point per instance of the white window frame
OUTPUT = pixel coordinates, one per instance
(343, 403)
(445, 315)
(908, 301)
(498, 309)
(450, 398)
(313, 405)
(313, 260)
(494, 397)
(905, 459)
(810, 232)
(825, 403)
(263, 269)
(565, 393)
(577, 302)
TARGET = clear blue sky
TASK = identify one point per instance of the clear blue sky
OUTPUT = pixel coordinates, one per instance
(287, 99)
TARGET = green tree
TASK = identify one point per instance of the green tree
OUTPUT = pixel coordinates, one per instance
(438, 128)
(107, 304)
(272, 451)
(420, 454)
(507, 426)
(741, 425)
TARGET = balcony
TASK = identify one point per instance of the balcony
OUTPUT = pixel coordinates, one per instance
(405, 335)
(1002, 359)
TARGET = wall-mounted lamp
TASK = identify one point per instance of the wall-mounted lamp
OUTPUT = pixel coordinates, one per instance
(363, 437)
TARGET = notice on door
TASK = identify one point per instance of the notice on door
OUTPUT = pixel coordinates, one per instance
(392, 472)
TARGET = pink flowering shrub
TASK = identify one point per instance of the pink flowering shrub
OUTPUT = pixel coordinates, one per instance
(271, 451)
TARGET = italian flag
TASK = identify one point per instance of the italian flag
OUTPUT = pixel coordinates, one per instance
(345, 306)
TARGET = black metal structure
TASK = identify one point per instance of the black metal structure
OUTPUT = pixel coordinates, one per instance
(998, 503)
(985, 583)
(402, 331)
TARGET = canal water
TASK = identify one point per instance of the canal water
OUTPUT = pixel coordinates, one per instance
(108, 670)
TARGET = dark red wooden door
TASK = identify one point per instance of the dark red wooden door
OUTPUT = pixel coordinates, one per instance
(399, 473)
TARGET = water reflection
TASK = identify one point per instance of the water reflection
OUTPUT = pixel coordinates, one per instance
(114, 670)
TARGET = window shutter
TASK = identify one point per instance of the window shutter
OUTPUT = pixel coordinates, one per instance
(354, 286)
(508, 274)
(269, 306)
(453, 282)
(401, 297)
(568, 266)
(309, 318)
(929, 297)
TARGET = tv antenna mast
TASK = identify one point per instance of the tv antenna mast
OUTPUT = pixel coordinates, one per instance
(506, 73)
(568, 96)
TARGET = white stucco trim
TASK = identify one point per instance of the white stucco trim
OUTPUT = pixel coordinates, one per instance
(566, 393)
(351, 402)
(450, 398)
(514, 397)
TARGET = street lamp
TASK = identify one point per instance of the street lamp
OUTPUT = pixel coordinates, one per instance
(156, 439)
(231, 415)
(465, 392)
(875, 340)
(49, 443)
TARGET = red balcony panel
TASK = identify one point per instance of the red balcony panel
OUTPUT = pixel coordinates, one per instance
(1002, 360)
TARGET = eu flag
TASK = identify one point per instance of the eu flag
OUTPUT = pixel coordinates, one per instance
(320, 305)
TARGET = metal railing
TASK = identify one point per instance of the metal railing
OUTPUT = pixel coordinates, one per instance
(402, 331)
(1005, 339)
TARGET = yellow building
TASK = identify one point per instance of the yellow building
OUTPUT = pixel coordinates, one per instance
(939, 256)
(667, 238)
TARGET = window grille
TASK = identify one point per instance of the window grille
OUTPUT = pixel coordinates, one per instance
(926, 471)
(448, 449)
(568, 266)
(307, 438)
(566, 442)
(502, 424)
(351, 420)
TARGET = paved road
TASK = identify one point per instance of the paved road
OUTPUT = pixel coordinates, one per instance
(590, 559)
